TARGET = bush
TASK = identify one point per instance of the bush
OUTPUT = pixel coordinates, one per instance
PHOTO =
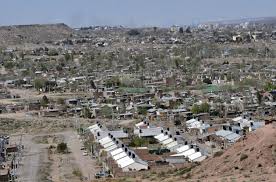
(243, 156)
(133, 32)
(62, 147)
(77, 173)
(217, 154)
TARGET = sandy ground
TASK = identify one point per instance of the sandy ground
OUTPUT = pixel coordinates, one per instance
(38, 164)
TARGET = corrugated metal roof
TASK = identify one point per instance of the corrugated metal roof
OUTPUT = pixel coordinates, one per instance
(106, 145)
(124, 162)
(165, 137)
(119, 156)
(111, 148)
(172, 144)
(159, 136)
(169, 140)
(182, 148)
(117, 151)
(223, 133)
(194, 156)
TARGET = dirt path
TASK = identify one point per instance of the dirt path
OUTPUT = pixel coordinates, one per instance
(35, 158)
(32, 154)
(85, 163)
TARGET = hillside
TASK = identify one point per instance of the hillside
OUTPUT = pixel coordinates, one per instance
(12, 35)
(253, 158)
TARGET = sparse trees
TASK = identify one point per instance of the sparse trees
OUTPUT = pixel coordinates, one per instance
(39, 83)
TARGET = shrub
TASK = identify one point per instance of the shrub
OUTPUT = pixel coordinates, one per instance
(243, 156)
(217, 154)
(62, 147)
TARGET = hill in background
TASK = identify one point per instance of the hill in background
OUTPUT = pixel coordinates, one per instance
(12, 35)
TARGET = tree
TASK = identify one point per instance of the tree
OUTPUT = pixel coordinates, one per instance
(177, 122)
(133, 32)
(202, 108)
(142, 110)
(67, 57)
(62, 147)
(181, 30)
(207, 81)
(259, 97)
(195, 109)
(86, 113)
(44, 101)
(106, 111)
(9, 65)
(39, 83)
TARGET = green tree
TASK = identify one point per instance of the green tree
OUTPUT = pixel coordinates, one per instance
(195, 109)
(106, 111)
(259, 97)
(62, 148)
(9, 65)
(44, 101)
(204, 107)
(39, 83)
(86, 113)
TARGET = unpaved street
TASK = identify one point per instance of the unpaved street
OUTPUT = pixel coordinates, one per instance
(35, 154)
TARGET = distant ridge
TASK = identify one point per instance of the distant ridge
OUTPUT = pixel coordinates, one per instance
(260, 20)
(36, 33)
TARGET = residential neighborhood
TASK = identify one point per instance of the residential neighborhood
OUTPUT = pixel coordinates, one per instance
(149, 103)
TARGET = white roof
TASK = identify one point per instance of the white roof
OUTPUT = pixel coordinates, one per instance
(188, 152)
(165, 137)
(112, 147)
(117, 151)
(191, 121)
(94, 128)
(195, 124)
(194, 156)
(108, 144)
(159, 136)
(126, 161)
(182, 148)
(119, 156)
(199, 159)
(105, 140)
(185, 154)
(139, 124)
(237, 119)
(172, 144)
(169, 140)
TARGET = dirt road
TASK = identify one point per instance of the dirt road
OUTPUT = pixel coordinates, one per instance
(85, 163)
(34, 153)
(30, 163)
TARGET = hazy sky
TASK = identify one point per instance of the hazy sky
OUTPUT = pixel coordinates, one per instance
(130, 12)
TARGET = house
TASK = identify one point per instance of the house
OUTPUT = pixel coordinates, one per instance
(228, 136)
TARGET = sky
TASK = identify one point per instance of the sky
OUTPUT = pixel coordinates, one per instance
(131, 13)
